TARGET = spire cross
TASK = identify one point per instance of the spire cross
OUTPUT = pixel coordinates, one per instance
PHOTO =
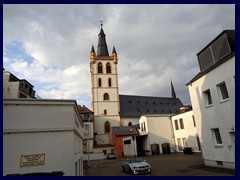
(101, 20)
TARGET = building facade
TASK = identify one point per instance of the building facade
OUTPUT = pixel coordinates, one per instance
(121, 138)
(16, 88)
(42, 136)
(212, 93)
(185, 131)
(156, 135)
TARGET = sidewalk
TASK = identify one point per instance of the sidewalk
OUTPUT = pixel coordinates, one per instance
(92, 168)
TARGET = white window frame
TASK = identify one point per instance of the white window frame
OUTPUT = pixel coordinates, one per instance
(215, 138)
(220, 92)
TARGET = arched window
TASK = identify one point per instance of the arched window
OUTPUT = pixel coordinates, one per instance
(109, 82)
(106, 96)
(99, 82)
(100, 68)
(105, 112)
(107, 127)
(144, 126)
(130, 123)
(108, 67)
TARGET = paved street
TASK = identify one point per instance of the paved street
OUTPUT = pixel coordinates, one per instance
(162, 165)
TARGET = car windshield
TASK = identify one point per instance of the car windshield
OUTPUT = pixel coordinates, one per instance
(135, 160)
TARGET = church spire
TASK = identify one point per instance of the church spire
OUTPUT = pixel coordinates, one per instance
(173, 91)
(102, 49)
(114, 50)
(93, 50)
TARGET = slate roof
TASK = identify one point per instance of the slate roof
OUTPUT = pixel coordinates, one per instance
(124, 130)
(102, 49)
(84, 109)
(135, 106)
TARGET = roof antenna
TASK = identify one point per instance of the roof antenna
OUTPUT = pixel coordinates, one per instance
(101, 20)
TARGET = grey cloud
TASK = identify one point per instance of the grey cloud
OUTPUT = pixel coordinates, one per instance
(163, 39)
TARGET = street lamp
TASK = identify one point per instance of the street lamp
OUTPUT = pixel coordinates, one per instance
(86, 117)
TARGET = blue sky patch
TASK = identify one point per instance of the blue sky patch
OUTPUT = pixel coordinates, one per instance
(16, 50)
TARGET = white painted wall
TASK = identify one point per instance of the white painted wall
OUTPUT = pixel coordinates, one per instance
(130, 149)
(158, 129)
(189, 132)
(220, 115)
(50, 127)
(10, 89)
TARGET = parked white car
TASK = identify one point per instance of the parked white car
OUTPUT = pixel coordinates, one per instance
(136, 165)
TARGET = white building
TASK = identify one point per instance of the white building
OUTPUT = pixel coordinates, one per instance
(16, 88)
(156, 134)
(212, 93)
(42, 136)
(185, 131)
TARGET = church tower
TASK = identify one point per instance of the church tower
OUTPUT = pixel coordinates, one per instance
(105, 91)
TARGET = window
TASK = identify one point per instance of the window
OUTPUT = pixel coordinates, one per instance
(108, 67)
(144, 126)
(208, 98)
(176, 125)
(109, 82)
(141, 126)
(194, 123)
(179, 144)
(105, 112)
(130, 123)
(107, 127)
(222, 91)
(99, 82)
(100, 68)
(106, 96)
(217, 136)
(198, 142)
(127, 142)
(181, 123)
(104, 152)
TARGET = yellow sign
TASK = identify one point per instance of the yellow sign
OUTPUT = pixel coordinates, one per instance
(32, 160)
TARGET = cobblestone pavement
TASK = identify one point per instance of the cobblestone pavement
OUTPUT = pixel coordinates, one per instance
(162, 165)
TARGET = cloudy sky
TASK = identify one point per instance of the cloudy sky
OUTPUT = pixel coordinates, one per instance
(49, 45)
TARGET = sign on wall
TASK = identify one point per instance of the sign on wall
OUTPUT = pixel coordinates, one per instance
(32, 160)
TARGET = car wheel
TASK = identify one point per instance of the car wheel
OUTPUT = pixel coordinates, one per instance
(130, 171)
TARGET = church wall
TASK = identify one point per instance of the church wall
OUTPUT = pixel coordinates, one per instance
(126, 120)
